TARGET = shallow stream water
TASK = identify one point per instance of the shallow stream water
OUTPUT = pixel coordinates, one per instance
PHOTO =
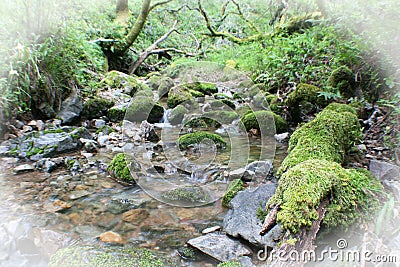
(41, 212)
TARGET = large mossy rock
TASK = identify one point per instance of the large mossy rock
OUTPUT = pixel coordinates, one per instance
(186, 195)
(96, 107)
(119, 169)
(343, 80)
(195, 138)
(119, 80)
(88, 256)
(234, 187)
(166, 84)
(178, 95)
(264, 121)
(144, 108)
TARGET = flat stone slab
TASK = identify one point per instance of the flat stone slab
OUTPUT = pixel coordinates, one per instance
(384, 171)
(219, 246)
(242, 221)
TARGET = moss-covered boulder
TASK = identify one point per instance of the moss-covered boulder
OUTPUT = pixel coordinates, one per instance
(166, 84)
(88, 256)
(96, 107)
(195, 93)
(343, 80)
(328, 136)
(116, 114)
(178, 95)
(222, 116)
(118, 168)
(234, 187)
(201, 122)
(302, 188)
(195, 138)
(264, 120)
(222, 104)
(186, 194)
(119, 80)
(177, 114)
(144, 108)
(145, 92)
(203, 87)
(153, 80)
(273, 102)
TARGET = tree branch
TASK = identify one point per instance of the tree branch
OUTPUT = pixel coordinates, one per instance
(160, 4)
(270, 220)
(150, 50)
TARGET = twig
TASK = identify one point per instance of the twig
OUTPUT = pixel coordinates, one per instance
(159, 4)
(270, 220)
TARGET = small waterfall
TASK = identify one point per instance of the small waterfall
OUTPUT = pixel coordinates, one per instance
(164, 120)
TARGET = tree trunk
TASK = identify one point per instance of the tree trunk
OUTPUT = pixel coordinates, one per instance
(136, 29)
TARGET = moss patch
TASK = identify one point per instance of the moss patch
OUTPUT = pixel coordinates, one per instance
(194, 138)
(186, 194)
(234, 187)
(264, 120)
(107, 257)
(96, 107)
(116, 114)
(328, 136)
(119, 169)
(342, 79)
(166, 84)
(177, 114)
(177, 95)
(222, 116)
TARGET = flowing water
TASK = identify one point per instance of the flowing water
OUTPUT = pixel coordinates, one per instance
(82, 206)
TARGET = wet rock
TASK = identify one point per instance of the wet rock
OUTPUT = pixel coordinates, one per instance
(211, 229)
(219, 246)
(255, 171)
(281, 138)
(394, 187)
(384, 171)
(24, 168)
(71, 108)
(78, 194)
(111, 237)
(135, 216)
(46, 165)
(103, 140)
(98, 123)
(148, 132)
(242, 221)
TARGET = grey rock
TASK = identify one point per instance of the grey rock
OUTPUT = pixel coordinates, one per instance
(103, 140)
(46, 165)
(219, 246)
(78, 194)
(211, 229)
(255, 171)
(71, 108)
(384, 171)
(4, 150)
(246, 261)
(281, 138)
(394, 187)
(97, 123)
(241, 220)
(24, 168)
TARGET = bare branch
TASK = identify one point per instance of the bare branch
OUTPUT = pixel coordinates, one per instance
(270, 220)
(151, 48)
(159, 4)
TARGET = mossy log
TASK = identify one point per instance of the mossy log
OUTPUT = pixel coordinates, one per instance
(313, 188)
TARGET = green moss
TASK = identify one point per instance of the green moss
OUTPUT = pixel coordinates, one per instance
(116, 114)
(178, 95)
(222, 116)
(118, 80)
(234, 187)
(177, 114)
(255, 89)
(202, 122)
(186, 194)
(238, 95)
(305, 92)
(105, 129)
(107, 257)
(264, 119)
(194, 138)
(146, 93)
(220, 96)
(342, 79)
(154, 79)
(327, 137)
(70, 163)
(119, 169)
(204, 87)
(222, 103)
(96, 107)
(50, 131)
(302, 188)
(144, 108)
(230, 264)
(195, 93)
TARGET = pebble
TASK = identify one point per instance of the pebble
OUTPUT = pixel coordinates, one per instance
(24, 168)
(211, 229)
(111, 237)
